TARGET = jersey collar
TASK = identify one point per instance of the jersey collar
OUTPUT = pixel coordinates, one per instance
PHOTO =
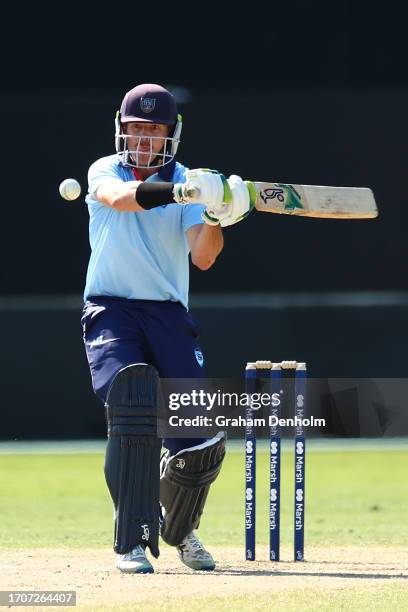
(165, 173)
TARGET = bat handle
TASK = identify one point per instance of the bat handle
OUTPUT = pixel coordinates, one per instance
(184, 194)
(193, 194)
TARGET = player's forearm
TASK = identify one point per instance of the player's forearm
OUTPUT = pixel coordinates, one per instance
(120, 196)
(207, 246)
(135, 196)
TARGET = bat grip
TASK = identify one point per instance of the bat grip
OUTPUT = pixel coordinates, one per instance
(193, 194)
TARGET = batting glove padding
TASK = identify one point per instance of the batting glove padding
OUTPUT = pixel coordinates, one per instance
(242, 202)
(212, 186)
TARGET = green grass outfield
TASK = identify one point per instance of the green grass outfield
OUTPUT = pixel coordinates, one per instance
(353, 497)
(54, 496)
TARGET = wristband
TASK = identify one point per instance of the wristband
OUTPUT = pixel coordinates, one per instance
(152, 195)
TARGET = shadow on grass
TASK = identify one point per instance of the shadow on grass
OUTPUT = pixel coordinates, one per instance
(252, 572)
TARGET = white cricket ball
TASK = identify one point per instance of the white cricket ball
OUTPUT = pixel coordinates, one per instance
(70, 189)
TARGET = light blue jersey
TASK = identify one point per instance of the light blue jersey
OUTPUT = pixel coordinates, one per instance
(138, 255)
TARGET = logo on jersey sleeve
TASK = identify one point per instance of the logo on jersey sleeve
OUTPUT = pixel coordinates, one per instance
(199, 356)
(147, 104)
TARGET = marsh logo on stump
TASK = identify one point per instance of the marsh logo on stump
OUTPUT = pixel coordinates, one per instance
(200, 358)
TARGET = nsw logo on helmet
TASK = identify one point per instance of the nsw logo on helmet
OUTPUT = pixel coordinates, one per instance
(147, 104)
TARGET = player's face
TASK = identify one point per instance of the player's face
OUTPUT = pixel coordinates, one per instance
(147, 139)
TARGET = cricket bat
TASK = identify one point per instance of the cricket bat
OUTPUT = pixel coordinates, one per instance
(311, 200)
(316, 201)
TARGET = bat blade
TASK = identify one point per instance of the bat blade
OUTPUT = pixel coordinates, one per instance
(316, 201)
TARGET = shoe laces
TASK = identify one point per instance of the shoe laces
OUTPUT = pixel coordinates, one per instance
(193, 543)
(137, 551)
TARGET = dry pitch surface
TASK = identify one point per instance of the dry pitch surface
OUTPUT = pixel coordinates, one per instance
(259, 585)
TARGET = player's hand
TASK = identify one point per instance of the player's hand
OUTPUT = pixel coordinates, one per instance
(212, 188)
(243, 196)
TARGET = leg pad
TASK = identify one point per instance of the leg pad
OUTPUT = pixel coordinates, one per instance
(132, 463)
(184, 485)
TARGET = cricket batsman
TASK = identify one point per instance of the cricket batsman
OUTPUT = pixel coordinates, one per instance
(137, 326)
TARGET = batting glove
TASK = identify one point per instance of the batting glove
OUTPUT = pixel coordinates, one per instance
(243, 197)
(212, 188)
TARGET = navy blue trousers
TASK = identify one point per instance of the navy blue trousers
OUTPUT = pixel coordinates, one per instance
(119, 332)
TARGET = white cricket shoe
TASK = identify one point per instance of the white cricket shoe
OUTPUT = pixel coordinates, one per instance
(135, 562)
(193, 554)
